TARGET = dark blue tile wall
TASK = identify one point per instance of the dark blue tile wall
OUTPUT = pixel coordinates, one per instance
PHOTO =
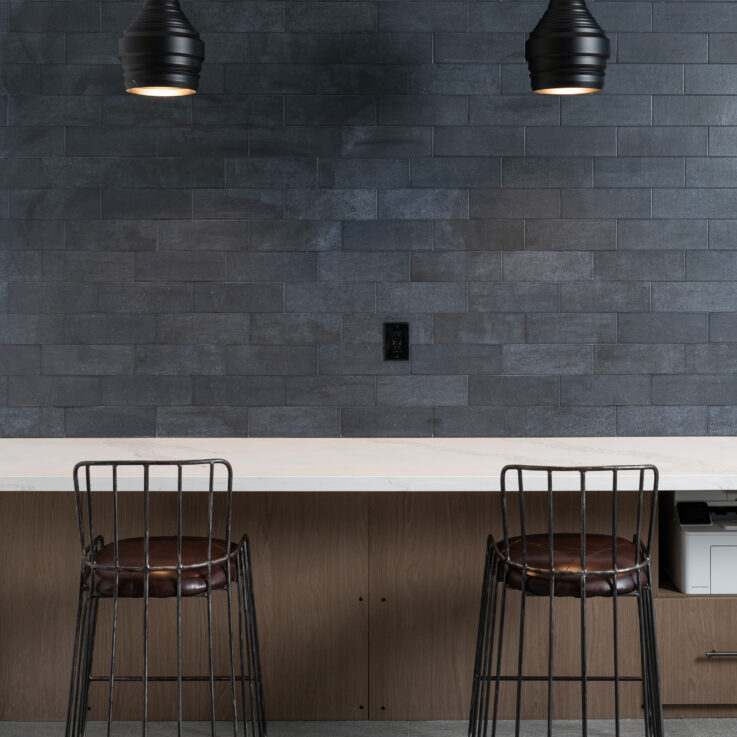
(222, 265)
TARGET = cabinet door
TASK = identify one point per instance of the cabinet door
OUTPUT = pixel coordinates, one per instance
(310, 561)
(427, 557)
(688, 628)
(310, 567)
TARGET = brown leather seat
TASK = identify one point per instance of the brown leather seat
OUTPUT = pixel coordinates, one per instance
(567, 556)
(162, 552)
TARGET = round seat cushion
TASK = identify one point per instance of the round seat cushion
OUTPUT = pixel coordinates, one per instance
(567, 557)
(162, 552)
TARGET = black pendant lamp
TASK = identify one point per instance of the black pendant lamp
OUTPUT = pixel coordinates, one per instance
(567, 50)
(161, 52)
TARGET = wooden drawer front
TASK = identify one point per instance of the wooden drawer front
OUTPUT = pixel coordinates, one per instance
(688, 628)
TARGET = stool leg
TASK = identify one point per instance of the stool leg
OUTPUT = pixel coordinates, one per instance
(241, 630)
(89, 652)
(256, 651)
(656, 707)
(520, 653)
(615, 640)
(584, 684)
(551, 642)
(75, 681)
(230, 650)
(111, 682)
(481, 659)
(489, 646)
(211, 671)
(645, 664)
(499, 645)
(144, 679)
(179, 649)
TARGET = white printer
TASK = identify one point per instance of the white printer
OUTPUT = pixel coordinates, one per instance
(698, 544)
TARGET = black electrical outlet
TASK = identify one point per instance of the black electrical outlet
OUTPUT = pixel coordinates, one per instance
(396, 341)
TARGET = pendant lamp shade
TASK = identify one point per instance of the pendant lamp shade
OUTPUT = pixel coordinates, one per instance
(161, 52)
(567, 50)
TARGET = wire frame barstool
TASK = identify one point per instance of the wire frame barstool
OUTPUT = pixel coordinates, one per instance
(527, 563)
(133, 567)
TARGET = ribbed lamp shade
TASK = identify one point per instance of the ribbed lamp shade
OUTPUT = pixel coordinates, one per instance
(161, 52)
(567, 50)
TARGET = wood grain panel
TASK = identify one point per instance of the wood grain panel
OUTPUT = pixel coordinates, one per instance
(688, 628)
(310, 568)
(39, 550)
(311, 562)
(427, 554)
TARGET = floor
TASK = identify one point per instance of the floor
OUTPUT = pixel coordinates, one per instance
(597, 728)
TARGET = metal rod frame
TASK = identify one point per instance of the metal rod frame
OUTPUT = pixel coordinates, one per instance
(498, 563)
(249, 673)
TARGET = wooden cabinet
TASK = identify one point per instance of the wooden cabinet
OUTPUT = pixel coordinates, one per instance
(310, 558)
(368, 607)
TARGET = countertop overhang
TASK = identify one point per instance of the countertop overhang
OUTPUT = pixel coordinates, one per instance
(375, 464)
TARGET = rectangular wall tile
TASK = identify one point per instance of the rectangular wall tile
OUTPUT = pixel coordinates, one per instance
(250, 390)
(364, 267)
(334, 204)
(455, 359)
(357, 360)
(370, 422)
(662, 141)
(662, 234)
(693, 203)
(659, 327)
(479, 141)
(571, 328)
(546, 359)
(420, 391)
(198, 422)
(421, 297)
(604, 391)
(661, 421)
(530, 266)
(570, 421)
(336, 391)
(638, 359)
(514, 391)
(514, 203)
(694, 390)
(639, 265)
(471, 327)
(454, 422)
(571, 141)
(294, 422)
(177, 360)
(479, 235)
(294, 236)
(570, 235)
(272, 360)
(87, 360)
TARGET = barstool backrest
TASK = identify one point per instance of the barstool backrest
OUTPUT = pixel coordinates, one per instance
(148, 477)
(641, 481)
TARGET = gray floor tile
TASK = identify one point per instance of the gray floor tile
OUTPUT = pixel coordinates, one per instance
(438, 728)
(536, 728)
(31, 729)
(338, 729)
(711, 727)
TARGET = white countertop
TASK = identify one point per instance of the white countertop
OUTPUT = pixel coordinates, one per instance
(381, 464)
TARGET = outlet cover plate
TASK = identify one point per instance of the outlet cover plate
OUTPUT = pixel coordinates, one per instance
(396, 341)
